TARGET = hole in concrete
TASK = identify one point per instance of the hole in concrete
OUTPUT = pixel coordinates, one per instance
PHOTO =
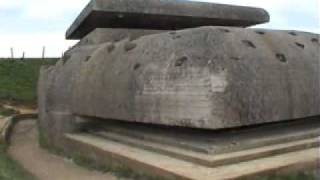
(224, 30)
(261, 32)
(248, 43)
(137, 66)
(300, 45)
(235, 58)
(129, 46)
(118, 39)
(315, 40)
(111, 48)
(176, 36)
(181, 61)
(87, 58)
(293, 33)
(85, 41)
(282, 58)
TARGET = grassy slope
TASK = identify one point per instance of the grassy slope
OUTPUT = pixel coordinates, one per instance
(18, 79)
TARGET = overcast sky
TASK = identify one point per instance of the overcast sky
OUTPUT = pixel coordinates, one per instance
(28, 25)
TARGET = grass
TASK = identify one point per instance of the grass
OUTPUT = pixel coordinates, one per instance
(298, 175)
(18, 79)
(18, 83)
(9, 170)
(7, 112)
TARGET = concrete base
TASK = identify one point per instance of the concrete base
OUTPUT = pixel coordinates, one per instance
(288, 144)
(155, 164)
(202, 141)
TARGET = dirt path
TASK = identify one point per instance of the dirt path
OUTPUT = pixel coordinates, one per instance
(43, 165)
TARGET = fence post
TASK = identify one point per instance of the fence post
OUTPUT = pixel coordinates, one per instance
(43, 52)
(12, 53)
(23, 54)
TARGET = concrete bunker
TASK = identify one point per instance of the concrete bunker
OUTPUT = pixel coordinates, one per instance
(189, 87)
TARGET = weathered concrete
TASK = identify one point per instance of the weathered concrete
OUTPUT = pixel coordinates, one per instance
(54, 95)
(200, 141)
(161, 15)
(103, 35)
(112, 153)
(208, 78)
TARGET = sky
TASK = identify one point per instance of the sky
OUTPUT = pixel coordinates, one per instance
(28, 25)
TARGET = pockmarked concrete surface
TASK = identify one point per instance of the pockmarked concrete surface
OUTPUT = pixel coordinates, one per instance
(208, 78)
(161, 15)
(43, 165)
(103, 35)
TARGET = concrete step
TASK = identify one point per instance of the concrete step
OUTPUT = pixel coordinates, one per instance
(266, 159)
(208, 142)
(213, 160)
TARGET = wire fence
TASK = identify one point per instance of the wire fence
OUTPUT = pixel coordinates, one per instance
(14, 56)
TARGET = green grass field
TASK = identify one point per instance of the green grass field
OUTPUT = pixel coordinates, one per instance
(18, 79)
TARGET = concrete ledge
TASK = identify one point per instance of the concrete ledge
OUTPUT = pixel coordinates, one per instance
(214, 160)
(5, 123)
(161, 15)
(108, 152)
(10, 122)
(202, 141)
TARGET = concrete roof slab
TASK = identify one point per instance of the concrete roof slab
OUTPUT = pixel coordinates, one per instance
(161, 15)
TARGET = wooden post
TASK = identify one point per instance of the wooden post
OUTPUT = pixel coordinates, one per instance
(43, 52)
(23, 54)
(12, 53)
